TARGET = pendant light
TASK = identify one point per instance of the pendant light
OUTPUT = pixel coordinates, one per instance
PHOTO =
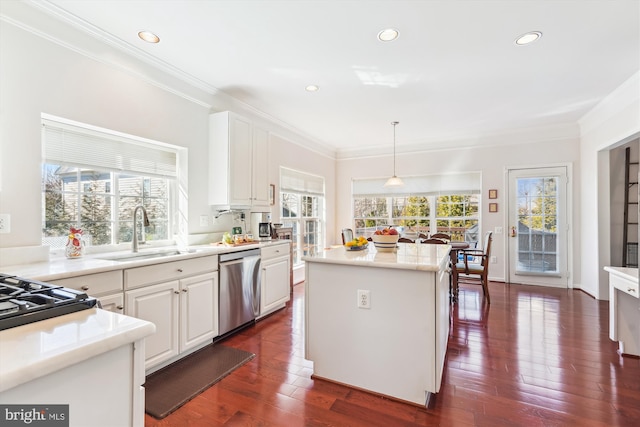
(394, 181)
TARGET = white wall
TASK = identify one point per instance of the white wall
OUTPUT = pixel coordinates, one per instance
(67, 74)
(613, 122)
(491, 161)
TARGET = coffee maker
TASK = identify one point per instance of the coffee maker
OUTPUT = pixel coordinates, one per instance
(261, 225)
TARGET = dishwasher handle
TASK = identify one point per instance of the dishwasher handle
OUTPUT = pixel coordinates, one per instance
(257, 287)
(232, 262)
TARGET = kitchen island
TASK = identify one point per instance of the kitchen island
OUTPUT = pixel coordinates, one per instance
(379, 321)
(91, 360)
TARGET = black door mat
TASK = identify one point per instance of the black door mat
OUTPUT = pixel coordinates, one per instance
(169, 388)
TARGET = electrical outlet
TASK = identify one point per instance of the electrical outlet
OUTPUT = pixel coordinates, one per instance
(204, 220)
(364, 298)
(5, 223)
(494, 260)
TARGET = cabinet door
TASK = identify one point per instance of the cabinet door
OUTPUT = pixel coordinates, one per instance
(157, 304)
(260, 165)
(240, 164)
(275, 284)
(198, 310)
(113, 302)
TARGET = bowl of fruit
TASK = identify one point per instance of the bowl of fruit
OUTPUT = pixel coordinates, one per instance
(385, 240)
(357, 244)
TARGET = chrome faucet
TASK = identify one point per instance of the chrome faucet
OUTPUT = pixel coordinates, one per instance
(145, 218)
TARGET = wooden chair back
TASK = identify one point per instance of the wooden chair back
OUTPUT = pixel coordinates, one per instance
(474, 267)
(441, 236)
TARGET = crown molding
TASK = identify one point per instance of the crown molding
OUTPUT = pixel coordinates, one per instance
(551, 133)
(145, 66)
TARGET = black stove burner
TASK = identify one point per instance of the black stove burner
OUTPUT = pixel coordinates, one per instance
(25, 301)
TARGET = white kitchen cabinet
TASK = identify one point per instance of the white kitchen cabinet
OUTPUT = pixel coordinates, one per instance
(158, 304)
(114, 302)
(181, 299)
(624, 309)
(275, 281)
(259, 168)
(106, 286)
(198, 310)
(238, 162)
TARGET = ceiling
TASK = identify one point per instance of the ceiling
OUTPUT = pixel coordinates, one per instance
(454, 73)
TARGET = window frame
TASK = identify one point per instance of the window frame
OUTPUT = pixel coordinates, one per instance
(170, 173)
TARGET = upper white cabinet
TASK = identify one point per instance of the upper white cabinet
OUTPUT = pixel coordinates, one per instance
(238, 162)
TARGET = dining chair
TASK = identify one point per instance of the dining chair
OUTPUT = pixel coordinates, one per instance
(347, 235)
(473, 268)
(405, 240)
(434, 241)
(441, 236)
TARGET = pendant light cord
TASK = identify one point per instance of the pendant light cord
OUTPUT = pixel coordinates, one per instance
(394, 147)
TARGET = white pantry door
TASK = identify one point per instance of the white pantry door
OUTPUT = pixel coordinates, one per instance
(538, 226)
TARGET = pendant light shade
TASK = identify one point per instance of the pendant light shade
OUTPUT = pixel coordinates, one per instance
(394, 181)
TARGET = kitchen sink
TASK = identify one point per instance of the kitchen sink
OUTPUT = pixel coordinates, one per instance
(146, 255)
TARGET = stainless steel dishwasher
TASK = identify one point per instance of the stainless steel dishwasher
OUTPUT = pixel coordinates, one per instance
(239, 297)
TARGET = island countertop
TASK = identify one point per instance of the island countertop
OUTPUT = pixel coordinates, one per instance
(408, 256)
(37, 349)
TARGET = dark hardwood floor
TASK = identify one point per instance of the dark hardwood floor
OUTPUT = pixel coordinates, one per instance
(536, 356)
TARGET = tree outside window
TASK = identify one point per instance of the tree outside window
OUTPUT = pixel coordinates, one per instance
(456, 215)
(83, 198)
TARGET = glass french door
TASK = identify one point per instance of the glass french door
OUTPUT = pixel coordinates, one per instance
(538, 227)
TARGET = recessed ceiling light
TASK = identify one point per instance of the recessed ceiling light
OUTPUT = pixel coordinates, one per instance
(149, 37)
(312, 88)
(388, 35)
(528, 38)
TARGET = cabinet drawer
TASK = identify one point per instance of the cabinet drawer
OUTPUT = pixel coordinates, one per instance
(274, 251)
(174, 270)
(624, 285)
(94, 284)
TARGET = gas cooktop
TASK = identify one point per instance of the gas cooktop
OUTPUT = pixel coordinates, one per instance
(24, 301)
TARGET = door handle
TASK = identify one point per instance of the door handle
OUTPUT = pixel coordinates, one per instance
(513, 231)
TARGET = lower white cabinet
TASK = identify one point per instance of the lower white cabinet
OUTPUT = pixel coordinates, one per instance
(184, 312)
(198, 310)
(113, 302)
(275, 286)
(106, 286)
(159, 305)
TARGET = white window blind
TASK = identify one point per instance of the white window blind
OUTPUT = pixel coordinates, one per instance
(428, 185)
(69, 144)
(300, 182)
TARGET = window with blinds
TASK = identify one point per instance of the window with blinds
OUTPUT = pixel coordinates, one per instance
(303, 209)
(447, 203)
(93, 179)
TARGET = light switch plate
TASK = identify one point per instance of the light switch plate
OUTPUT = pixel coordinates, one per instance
(498, 230)
(204, 220)
(5, 223)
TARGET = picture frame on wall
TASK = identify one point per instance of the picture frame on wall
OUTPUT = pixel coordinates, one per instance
(272, 194)
(493, 207)
(493, 194)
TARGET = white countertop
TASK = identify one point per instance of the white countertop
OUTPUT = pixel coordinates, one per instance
(37, 349)
(408, 256)
(59, 268)
(624, 272)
